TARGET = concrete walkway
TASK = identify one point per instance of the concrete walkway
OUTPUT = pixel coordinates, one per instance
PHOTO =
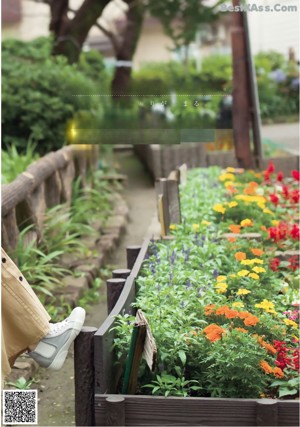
(56, 389)
(285, 134)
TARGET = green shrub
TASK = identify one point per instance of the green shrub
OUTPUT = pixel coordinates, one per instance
(39, 93)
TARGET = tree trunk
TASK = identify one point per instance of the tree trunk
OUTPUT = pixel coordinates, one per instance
(70, 34)
(122, 77)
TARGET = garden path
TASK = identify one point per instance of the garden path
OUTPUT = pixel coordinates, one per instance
(56, 389)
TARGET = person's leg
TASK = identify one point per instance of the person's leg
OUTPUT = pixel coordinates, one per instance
(24, 319)
(25, 323)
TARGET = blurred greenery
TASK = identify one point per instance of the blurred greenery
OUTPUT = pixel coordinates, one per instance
(39, 93)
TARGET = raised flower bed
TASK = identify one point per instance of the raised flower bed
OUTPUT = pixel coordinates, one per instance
(223, 311)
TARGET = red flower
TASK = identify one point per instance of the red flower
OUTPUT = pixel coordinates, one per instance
(274, 199)
(271, 167)
(274, 264)
(294, 196)
(280, 176)
(294, 263)
(285, 191)
(295, 233)
(296, 175)
(266, 175)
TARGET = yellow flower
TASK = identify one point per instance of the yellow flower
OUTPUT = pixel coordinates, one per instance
(243, 273)
(221, 278)
(254, 276)
(251, 199)
(247, 262)
(243, 291)
(246, 222)
(204, 222)
(230, 169)
(275, 222)
(227, 177)
(232, 204)
(196, 227)
(267, 211)
(261, 205)
(232, 275)
(221, 288)
(238, 304)
(259, 269)
(257, 261)
(228, 184)
(289, 322)
(219, 208)
(172, 227)
(267, 306)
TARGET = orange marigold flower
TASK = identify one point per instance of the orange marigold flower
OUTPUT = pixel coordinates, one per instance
(266, 367)
(234, 228)
(263, 228)
(278, 372)
(257, 252)
(251, 320)
(231, 239)
(239, 256)
(266, 345)
(244, 314)
(213, 332)
(209, 309)
(241, 330)
(231, 314)
(222, 310)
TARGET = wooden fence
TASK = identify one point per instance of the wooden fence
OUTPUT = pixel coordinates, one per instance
(97, 375)
(161, 160)
(45, 183)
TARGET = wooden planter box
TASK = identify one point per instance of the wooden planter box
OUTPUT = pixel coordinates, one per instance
(161, 160)
(98, 404)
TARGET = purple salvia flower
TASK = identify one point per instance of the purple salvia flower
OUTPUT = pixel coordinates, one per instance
(215, 273)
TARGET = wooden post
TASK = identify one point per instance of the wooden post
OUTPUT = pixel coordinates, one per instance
(266, 412)
(132, 254)
(115, 411)
(114, 289)
(84, 377)
(161, 189)
(161, 215)
(173, 201)
(121, 273)
(241, 92)
(182, 172)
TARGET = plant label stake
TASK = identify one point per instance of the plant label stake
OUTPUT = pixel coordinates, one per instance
(142, 344)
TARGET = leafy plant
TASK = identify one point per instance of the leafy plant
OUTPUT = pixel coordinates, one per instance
(288, 387)
(20, 384)
(14, 163)
(166, 385)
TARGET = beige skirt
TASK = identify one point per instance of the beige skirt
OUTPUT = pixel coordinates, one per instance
(24, 319)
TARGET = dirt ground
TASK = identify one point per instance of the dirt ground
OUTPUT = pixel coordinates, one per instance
(56, 389)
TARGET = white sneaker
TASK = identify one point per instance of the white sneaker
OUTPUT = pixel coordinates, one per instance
(52, 350)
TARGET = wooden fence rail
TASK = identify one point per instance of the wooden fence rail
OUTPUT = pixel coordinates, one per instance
(45, 183)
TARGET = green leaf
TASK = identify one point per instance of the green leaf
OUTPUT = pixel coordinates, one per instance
(284, 391)
(182, 356)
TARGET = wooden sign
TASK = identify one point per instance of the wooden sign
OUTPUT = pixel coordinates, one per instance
(150, 349)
